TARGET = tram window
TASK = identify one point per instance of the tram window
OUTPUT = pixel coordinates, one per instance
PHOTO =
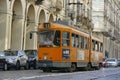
(85, 43)
(77, 41)
(73, 40)
(96, 46)
(101, 47)
(46, 37)
(81, 42)
(88, 43)
(93, 45)
(65, 38)
(57, 38)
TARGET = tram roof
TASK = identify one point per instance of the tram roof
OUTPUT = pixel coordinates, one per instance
(67, 27)
(61, 26)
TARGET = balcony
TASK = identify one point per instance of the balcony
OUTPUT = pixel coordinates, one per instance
(107, 32)
(85, 21)
(55, 7)
(113, 37)
(58, 5)
(116, 35)
(38, 2)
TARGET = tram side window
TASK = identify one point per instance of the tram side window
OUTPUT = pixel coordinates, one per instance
(65, 38)
(85, 43)
(57, 38)
(96, 46)
(81, 42)
(93, 45)
(74, 40)
(77, 41)
(101, 47)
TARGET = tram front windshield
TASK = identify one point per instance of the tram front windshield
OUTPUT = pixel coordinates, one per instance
(49, 37)
(46, 37)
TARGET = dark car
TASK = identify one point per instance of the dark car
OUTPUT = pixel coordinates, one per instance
(118, 61)
(32, 58)
(2, 61)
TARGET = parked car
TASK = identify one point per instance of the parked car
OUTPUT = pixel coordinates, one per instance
(118, 61)
(104, 62)
(111, 62)
(15, 59)
(32, 58)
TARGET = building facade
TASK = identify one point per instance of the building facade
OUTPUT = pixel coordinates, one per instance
(106, 16)
(112, 23)
(19, 17)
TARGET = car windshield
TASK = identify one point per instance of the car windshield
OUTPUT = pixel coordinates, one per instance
(31, 53)
(46, 37)
(111, 60)
(2, 54)
(118, 60)
(11, 53)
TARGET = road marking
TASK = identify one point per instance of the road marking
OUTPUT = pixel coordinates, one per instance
(102, 71)
(49, 75)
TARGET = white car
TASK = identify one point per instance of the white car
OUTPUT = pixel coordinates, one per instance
(111, 62)
(15, 59)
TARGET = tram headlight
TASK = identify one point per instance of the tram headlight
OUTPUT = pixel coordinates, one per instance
(45, 57)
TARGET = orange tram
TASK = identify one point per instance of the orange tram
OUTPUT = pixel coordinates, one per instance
(65, 48)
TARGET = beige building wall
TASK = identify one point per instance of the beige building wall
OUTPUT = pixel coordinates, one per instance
(19, 17)
(112, 25)
(106, 16)
(5, 16)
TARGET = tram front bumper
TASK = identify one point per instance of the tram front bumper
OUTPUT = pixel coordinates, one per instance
(45, 63)
(51, 64)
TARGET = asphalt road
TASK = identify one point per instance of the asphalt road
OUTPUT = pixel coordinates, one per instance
(102, 74)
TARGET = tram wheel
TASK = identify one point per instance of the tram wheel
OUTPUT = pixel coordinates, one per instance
(88, 67)
(5, 68)
(98, 67)
(72, 68)
(47, 70)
